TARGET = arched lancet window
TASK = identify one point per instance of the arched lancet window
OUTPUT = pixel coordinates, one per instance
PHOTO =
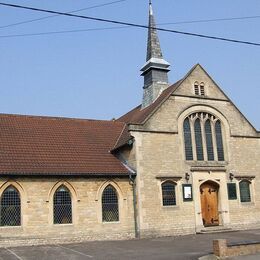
(208, 133)
(168, 193)
(62, 206)
(198, 139)
(219, 141)
(244, 187)
(110, 212)
(10, 208)
(196, 88)
(187, 139)
(202, 89)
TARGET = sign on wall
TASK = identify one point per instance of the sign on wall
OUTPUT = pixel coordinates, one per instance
(187, 192)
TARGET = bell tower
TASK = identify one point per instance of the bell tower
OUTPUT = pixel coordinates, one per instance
(155, 70)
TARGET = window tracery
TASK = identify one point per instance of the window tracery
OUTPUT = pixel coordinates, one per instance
(203, 137)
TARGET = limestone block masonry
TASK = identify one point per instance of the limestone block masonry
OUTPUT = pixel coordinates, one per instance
(37, 211)
(160, 155)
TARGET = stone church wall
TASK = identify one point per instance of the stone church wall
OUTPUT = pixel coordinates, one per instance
(37, 210)
(160, 156)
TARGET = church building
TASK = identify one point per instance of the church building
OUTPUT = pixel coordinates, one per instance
(184, 161)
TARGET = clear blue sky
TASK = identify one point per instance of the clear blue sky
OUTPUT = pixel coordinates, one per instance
(95, 74)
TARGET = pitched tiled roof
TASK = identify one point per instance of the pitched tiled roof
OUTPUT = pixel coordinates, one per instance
(123, 138)
(58, 146)
(138, 115)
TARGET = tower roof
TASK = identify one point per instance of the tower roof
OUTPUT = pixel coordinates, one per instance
(154, 56)
(153, 43)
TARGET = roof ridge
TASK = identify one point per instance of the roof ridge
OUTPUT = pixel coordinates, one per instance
(55, 117)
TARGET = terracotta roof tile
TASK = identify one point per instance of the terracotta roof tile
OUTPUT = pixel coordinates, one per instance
(48, 145)
(138, 115)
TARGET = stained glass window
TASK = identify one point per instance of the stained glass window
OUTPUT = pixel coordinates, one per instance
(62, 207)
(110, 211)
(168, 193)
(232, 191)
(219, 141)
(10, 208)
(209, 142)
(198, 139)
(187, 139)
(244, 187)
(207, 135)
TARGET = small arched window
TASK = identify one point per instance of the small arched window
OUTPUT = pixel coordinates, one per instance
(62, 206)
(219, 141)
(10, 208)
(202, 89)
(110, 212)
(208, 133)
(187, 139)
(168, 193)
(196, 88)
(198, 139)
(244, 187)
(199, 89)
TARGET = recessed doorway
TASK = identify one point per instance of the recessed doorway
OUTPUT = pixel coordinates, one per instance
(209, 203)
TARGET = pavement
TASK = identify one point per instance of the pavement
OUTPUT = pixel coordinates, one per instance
(191, 247)
(245, 257)
(249, 257)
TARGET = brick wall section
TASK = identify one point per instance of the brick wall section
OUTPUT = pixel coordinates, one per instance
(221, 249)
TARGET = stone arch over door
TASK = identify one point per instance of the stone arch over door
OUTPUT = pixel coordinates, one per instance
(209, 199)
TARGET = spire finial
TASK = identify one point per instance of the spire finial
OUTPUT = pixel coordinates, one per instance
(150, 8)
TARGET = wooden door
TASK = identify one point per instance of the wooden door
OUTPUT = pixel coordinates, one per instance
(209, 204)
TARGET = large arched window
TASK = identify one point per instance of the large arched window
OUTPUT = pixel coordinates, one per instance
(204, 131)
(110, 212)
(168, 193)
(62, 206)
(187, 139)
(244, 188)
(10, 208)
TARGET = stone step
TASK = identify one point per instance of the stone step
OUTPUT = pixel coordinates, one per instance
(215, 229)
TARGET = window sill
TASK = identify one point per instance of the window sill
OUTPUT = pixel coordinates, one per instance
(247, 204)
(112, 222)
(11, 227)
(206, 163)
(175, 207)
(63, 225)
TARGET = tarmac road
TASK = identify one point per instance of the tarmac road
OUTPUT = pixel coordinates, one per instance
(177, 248)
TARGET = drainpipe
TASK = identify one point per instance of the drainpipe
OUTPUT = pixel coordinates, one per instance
(133, 183)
